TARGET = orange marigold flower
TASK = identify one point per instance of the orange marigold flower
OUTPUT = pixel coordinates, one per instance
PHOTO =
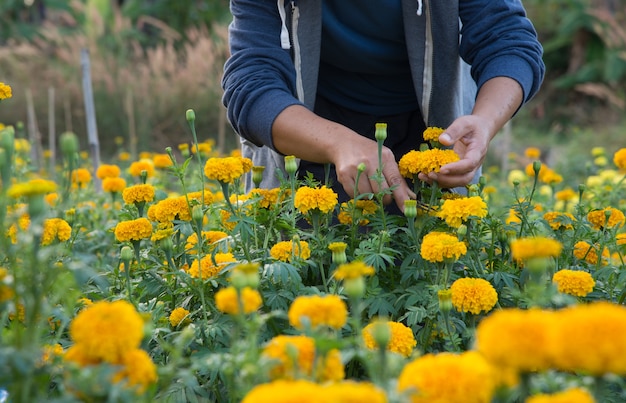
(5, 91)
(55, 228)
(292, 355)
(138, 194)
(179, 315)
(209, 238)
(172, 208)
(414, 162)
(113, 185)
(323, 199)
(432, 133)
(589, 253)
(559, 221)
(353, 392)
(286, 251)
(619, 159)
(535, 247)
(162, 161)
(314, 310)
(133, 230)
(608, 217)
(207, 268)
(81, 177)
(441, 246)
(361, 209)
(226, 169)
(352, 270)
(138, 370)
(457, 211)
(572, 395)
(401, 340)
(227, 300)
(573, 282)
(428, 378)
(266, 198)
(474, 295)
(286, 391)
(108, 171)
(567, 194)
(532, 152)
(137, 167)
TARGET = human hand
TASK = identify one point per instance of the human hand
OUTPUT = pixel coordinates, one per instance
(469, 137)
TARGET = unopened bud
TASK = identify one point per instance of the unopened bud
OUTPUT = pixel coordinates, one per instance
(381, 333)
(445, 300)
(69, 144)
(190, 115)
(410, 208)
(257, 175)
(381, 132)
(126, 254)
(536, 167)
(291, 165)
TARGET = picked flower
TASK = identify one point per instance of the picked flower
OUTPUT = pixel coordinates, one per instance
(307, 198)
(415, 162)
(441, 247)
(315, 310)
(573, 282)
(432, 133)
(457, 211)
(474, 295)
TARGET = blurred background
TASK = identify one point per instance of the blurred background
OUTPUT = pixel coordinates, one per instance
(151, 60)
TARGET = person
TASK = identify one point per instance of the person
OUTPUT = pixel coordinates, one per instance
(311, 78)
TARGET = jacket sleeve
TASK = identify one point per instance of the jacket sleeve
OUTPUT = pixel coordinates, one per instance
(497, 39)
(259, 76)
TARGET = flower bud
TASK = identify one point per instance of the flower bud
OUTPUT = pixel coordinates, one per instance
(536, 167)
(126, 254)
(410, 208)
(461, 231)
(257, 175)
(291, 165)
(354, 287)
(361, 167)
(69, 144)
(197, 214)
(338, 250)
(381, 333)
(381, 132)
(7, 138)
(445, 300)
(190, 115)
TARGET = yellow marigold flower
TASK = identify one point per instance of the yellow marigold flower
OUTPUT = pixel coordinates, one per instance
(533, 153)
(124, 156)
(172, 208)
(287, 251)
(226, 169)
(414, 162)
(113, 185)
(266, 198)
(323, 199)
(354, 392)
(138, 370)
(107, 331)
(209, 238)
(293, 355)
(5, 91)
(449, 378)
(137, 167)
(227, 300)
(432, 133)
(161, 161)
(183, 147)
(402, 340)
(591, 339)
(51, 199)
(619, 159)
(474, 295)
(513, 217)
(589, 253)
(573, 395)
(225, 220)
(620, 239)
(179, 315)
(328, 310)
(108, 171)
(81, 177)
(362, 209)
(567, 194)
(457, 211)
(573, 282)
(522, 340)
(535, 247)
(286, 391)
(31, 188)
(353, 270)
(330, 368)
(198, 196)
(598, 218)
(55, 228)
(50, 351)
(133, 230)
(206, 268)
(163, 232)
(138, 194)
(441, 246)
(559, 221)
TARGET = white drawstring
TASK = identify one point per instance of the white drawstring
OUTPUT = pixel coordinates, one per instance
(284, 33)
(419, 7)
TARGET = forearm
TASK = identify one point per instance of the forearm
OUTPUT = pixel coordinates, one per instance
(497, 101)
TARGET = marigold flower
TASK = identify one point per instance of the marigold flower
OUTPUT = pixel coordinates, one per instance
(162, 161)
(599, 220)
(441, 246)
(179, 315)
(137, 371)
(143, 193)
(428, 378)
(124, 156)
(55, 228)
(573, 395)
(573, 282)
(137, 167)
(206, 268)
(474, 295)
(226, 169)
(353, 392)
(286, 251)
(5, 91)
(590, 339)
(108, 171)
(432, 133)
(113, 185)
(589, 253)
(619, 159)
(286, 391)
(323, 199)
(172, 208)
(288, 365)
(31, 188)
(209, 238)
(414, 162)
(559, 221)
(532, 153)
(81, 177)
(227, 300)
(107, 331)
(402, 339)
(535, 247)
(361, 208)
(329, 368)
(133, 230)
(266, 198)
(328, 310)
(353, 270)
(457, 211)
(522, 340)
(620, 239)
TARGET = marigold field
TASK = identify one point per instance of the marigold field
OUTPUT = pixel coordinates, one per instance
(157, 279)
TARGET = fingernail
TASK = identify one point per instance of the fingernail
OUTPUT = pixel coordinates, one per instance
(445, 138)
